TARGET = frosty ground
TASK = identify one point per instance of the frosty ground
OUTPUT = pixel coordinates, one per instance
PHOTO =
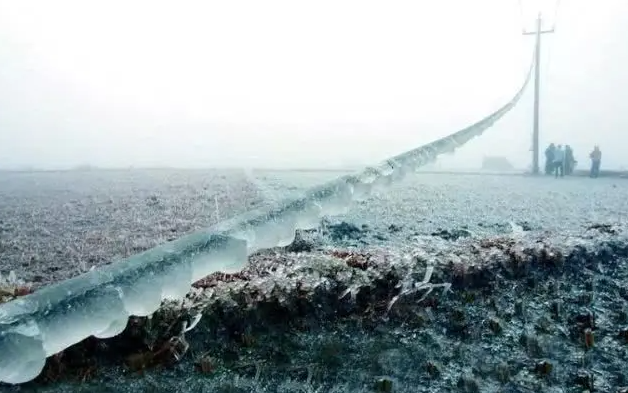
(55, 225)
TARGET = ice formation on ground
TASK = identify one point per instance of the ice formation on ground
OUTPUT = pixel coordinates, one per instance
(99, 303)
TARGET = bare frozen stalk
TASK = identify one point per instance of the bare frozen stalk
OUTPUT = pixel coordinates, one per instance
(195, 320)
(409, 287)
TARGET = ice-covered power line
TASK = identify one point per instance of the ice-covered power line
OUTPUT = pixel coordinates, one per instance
(99, 303)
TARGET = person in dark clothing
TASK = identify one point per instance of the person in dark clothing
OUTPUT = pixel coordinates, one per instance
(569, 160)
(549, 159)
(559, 161)
(596, 159)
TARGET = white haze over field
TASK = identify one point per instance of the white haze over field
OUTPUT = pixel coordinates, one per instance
(295, 83)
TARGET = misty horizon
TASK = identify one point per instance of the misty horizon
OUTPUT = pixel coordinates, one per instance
(290, 85)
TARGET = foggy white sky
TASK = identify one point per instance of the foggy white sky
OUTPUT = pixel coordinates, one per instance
(300, 83)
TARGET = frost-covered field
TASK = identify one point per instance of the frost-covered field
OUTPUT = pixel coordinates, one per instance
(54, 225)
(485, 205)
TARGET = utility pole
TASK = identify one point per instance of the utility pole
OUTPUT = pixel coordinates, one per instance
(537, 73)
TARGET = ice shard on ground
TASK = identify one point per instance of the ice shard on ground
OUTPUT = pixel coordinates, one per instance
(98, 303)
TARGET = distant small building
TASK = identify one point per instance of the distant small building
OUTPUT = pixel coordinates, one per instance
(497, 163)
(84, 168)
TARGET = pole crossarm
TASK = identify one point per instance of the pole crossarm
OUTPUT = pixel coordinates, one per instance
(539, 32)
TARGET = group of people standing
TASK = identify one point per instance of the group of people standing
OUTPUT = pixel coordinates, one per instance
(561, 162)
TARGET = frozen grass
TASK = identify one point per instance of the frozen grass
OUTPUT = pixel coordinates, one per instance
(12, 287)
(57, 225)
